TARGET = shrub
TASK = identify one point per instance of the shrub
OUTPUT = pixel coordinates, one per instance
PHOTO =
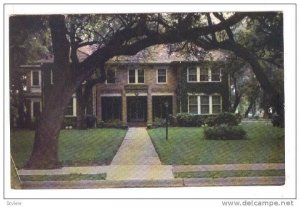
(226, 118)
(277, 121)
(189, 120)
(225, 133)
(90, 121)
(69, 121)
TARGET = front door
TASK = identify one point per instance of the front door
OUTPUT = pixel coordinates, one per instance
(137, 109)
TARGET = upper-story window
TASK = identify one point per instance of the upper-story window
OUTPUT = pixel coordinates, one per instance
(161, 75)
(136, 76)
(36, 78)
(192, 74)
(111, 76)
(204, 76)
(197, 74)
(215, 74)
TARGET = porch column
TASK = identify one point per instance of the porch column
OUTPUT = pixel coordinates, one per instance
(124, 109)
(99, 107)
(149, 109)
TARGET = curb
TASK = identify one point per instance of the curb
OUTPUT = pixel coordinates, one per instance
(185, 182)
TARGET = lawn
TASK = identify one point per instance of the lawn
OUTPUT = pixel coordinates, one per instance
(70, 177)
(76, 147)
(187, 146)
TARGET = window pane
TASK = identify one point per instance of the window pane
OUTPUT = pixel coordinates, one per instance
(193, 105)
(216, 109)
(192, 99)
(204, 100)
(203, 74)
(111, 76)
(193, 109)
(216, 100)
(192, 74)
(161, 75)
(216, 104)
(131, 76)
(69, 109)
(35, 78)
(140, 76)
(204, 109)
(216, 74)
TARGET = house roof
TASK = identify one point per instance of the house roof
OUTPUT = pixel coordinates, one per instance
(157, 54)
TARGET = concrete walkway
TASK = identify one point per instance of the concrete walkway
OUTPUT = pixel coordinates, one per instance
(137, 159)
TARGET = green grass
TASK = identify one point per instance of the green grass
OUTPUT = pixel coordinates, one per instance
(76, 147)
(187, 146)
(225, 174)
(69, 177)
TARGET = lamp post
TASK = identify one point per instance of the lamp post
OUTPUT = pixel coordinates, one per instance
(167, 118)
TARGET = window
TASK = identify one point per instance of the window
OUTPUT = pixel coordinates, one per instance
(216, 104)
(193, 104)
(136, 76)
(111, 76)
(197, 74)
(216, 74)
(36, 109)
(131, 76)
(111, 108)
(204, 104)
(35, 78)
(71, 107)
(161, 75)
(140, 76)
(192, 74)
(204, 74)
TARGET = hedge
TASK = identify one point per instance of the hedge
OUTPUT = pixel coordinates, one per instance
(225, 133)
(195, 120)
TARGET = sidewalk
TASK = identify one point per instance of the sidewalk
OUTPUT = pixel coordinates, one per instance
(137, 159)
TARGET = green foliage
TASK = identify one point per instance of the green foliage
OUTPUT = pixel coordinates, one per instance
(227, 119)
(224, 133)
(187, 146)
(67, 177)
(69, 121)
(76, 147)
(230, 173)
(195, 120)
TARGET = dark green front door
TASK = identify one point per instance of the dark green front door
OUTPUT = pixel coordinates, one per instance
(137, 109)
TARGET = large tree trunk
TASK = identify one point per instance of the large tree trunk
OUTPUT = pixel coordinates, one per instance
(81, 106)
(45, 149)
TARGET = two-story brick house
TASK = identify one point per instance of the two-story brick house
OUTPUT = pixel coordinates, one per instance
(138, 87)
(136, 91)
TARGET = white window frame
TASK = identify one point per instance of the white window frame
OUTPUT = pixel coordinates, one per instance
(39, 73)
(198, 70)
(220, 76)
(135, 76)
(51, 77)
(221, 103)
(74, 107)
(197, 74)
(166, 76)
(31, 107)
(210, 102)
